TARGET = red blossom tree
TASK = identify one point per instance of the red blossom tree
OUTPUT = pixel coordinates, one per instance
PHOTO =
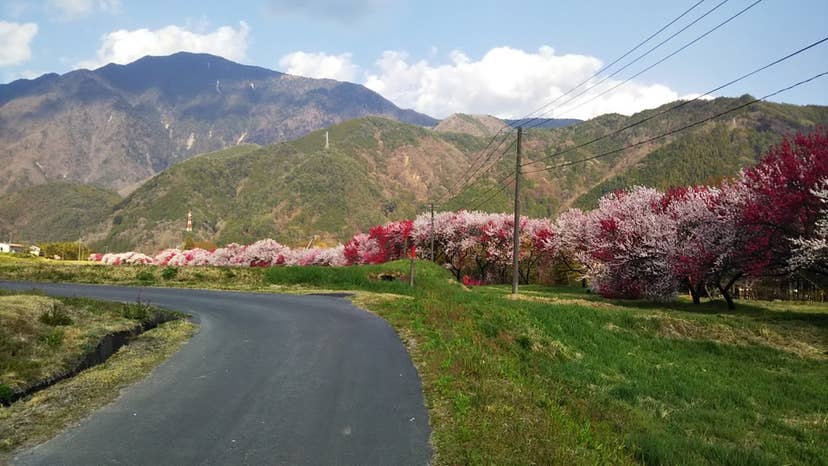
(780, 203)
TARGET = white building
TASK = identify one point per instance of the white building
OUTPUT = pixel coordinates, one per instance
(12, 247)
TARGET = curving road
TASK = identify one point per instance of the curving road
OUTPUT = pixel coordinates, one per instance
(269, 379)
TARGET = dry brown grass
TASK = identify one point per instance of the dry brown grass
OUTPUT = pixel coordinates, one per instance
(39, 417)
(804, 342)
(34, 350)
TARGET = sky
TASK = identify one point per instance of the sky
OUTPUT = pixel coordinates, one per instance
(439, 57)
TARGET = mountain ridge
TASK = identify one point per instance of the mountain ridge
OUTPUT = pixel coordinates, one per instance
(119, 124)
(377, 169)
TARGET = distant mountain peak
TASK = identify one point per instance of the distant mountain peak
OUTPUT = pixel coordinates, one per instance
(119, 124)
(475, 125)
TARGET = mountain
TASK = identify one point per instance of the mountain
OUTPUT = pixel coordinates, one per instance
(118, 125)
(294, 190)
(543, 122)
(377, 169)
(54, 212)
(475, 125)
(488, 126)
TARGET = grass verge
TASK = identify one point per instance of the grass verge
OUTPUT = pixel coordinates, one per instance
(559, 375)
(35, 348)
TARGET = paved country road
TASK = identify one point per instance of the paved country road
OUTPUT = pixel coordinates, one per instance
(269, 379)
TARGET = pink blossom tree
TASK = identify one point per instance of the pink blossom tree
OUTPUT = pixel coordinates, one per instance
(631, 243)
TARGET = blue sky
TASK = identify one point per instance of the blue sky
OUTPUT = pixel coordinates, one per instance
(496, 57)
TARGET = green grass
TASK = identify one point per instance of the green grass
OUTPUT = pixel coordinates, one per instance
(562, 376)
(44, 414)
(41, 336)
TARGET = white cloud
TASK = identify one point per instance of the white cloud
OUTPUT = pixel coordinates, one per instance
(22, 74)
(73, 9)
(505, 82)
(125, 46)
(16, 39)
(320, 65)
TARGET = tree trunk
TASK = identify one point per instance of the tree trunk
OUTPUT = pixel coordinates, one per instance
(695, 293)
(725, 290)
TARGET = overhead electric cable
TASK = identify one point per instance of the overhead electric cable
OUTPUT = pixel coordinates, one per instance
(681, 104)
(486, 157)
(683, 128)
(680, 49)
(597, 73)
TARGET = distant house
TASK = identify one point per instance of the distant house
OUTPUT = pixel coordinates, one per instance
(13, 248)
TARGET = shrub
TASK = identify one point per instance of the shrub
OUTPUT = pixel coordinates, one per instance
(6, 394)
(169, 273)
(56, 315)
(137, 311)
(145, 276)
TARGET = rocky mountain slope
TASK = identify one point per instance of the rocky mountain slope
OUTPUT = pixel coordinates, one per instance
(121, 124)
(377, 169)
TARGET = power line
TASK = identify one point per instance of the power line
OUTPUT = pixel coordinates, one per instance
(683, 128)
(497, 188)
(469, 180)
(681, 104)
(680, 49)
(597, 73)
(487, 156)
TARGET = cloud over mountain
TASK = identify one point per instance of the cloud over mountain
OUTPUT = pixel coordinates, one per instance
(16, 39)
(320, 65)
(124, 46)
(505, 82)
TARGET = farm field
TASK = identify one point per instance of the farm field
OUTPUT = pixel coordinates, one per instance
(564, 376)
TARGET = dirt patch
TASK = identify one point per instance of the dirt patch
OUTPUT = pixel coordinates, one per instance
(388, 276)
(562, 302)
(796, 341)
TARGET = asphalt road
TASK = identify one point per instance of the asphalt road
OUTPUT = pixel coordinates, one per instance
(269, 379)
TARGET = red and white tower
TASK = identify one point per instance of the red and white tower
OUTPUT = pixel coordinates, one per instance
(190, 220)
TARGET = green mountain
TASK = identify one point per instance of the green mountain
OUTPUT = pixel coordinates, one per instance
(377, 169)
(374, 169)
(54, 212)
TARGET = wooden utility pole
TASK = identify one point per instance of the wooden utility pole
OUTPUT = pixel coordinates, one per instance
(516, 236)
(412, 254)
(432, 232)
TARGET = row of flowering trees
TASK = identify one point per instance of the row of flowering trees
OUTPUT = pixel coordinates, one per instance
(771, 220)
(264, 253)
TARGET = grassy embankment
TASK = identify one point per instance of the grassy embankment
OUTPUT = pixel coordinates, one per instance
(43, 337)
(562, 376)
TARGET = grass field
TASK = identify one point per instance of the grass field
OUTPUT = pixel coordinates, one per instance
(559, 375)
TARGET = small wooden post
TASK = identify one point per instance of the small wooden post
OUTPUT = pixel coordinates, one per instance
(412, 254)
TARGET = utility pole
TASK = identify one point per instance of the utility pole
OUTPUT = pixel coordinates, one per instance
(432, 232)
(412, 254)
(516, 237)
